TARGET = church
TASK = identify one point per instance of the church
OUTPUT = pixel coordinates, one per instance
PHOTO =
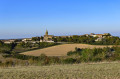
(48, 38)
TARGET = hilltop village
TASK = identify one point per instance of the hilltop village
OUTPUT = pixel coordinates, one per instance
(49, 38)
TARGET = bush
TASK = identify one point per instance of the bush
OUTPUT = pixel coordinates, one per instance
(54, 60)
(77, 51)
(69, 61)
(0, 62)
(9, 64)
(70, 53)
(96, 54)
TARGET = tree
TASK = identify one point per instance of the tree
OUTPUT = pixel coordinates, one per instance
(117, 42)
(42, 38)
(1, 43)
(35, 38)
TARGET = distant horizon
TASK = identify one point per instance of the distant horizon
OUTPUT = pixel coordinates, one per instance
(28, 18)
(52, 34)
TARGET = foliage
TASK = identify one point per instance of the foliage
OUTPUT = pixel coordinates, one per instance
(7, 48)
(89, 40)
(38, 60)
(97, 54)
(35, 38)
(69, 61)
(77, 56)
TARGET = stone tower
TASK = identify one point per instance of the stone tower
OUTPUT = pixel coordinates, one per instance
(46, 32)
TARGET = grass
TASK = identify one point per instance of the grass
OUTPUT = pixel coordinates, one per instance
(75, 71)
(61, 50)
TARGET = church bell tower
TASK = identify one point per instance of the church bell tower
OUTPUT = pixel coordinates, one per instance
(46, 32)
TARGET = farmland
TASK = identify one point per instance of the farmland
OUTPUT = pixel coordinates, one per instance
(61, 50)
(104, 70)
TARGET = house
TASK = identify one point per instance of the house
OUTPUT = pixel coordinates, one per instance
(87, 35)
(27, 39)
(99, 35)
(99, 39)
(93, 35)
(9, 41)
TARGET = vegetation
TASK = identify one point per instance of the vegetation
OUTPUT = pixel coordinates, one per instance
(108, 41)
(6, 48)
(61, 49)
(76, 71)
(47, 67)
(12, 51)
(96, 54)
(89, 40)
(74, 57)
(35, 38)
(22, 46)
(32, 60)
(77, 56)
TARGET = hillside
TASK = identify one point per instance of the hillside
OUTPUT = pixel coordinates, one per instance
(61, 50)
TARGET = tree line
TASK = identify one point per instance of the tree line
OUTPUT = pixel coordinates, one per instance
(89, 40)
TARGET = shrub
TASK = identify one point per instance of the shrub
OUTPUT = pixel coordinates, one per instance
(70, 53)
(42, 57)
(0, 62)
(9, 63)
(96, 54)
(54, 60)
(69, 61)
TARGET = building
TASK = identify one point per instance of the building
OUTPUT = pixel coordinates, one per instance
(27, 39)
(100, 35)
(48, 38)
(87, 35)
(99, 39)
(9, 41)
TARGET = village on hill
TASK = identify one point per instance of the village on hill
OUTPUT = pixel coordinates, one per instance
(49, 38)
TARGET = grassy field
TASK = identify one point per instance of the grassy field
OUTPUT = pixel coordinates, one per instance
(75, 71)
(60, 50)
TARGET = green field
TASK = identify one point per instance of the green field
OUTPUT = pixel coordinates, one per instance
(71, 71)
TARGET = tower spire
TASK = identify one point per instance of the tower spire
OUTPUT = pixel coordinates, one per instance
(46, 32)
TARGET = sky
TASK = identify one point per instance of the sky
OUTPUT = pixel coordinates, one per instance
(29, 18)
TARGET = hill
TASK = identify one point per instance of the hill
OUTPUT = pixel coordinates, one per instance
(61, 50)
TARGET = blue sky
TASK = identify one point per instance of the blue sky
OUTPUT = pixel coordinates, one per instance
(27, 18)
